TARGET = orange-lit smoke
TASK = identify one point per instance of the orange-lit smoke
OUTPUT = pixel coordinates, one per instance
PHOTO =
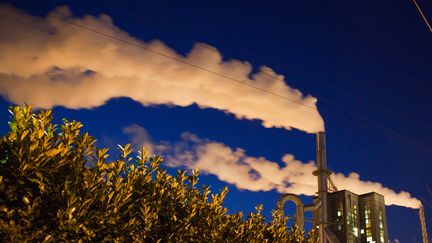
(245, 172)
(47, 62)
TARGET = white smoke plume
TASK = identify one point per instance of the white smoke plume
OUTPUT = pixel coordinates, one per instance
(139, 137)
(47, 62)
(235, 167)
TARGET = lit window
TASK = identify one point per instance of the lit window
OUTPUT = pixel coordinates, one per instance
(369, 239)
(368, 223)
(355, 231)
(339, 213)
(362, 231)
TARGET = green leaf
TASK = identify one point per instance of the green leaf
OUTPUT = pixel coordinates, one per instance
(120, 201)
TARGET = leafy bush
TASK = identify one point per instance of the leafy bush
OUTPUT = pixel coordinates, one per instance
(56, 185)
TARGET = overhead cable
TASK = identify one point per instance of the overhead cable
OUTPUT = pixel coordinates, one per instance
(376, 125)
(422, 15)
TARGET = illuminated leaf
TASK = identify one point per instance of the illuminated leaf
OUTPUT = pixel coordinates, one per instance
(56, 185)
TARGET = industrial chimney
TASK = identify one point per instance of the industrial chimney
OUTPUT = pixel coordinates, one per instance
(423, 225)
(322, 173)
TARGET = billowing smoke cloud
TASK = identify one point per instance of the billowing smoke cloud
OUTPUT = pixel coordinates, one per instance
(47, 62)
(139, 137)
(234, 166)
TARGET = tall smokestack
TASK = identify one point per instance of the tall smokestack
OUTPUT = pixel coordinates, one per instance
(423, 225)
(322, 174)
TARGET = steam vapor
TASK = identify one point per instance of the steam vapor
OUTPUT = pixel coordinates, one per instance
(245, 172)
(47, 63)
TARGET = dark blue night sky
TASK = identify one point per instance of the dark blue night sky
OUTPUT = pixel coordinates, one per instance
(363, 60)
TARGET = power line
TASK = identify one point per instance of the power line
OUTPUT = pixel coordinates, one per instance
(422, 15)
(389, 131)
(180, 60)
(386, 130)
(297, 71)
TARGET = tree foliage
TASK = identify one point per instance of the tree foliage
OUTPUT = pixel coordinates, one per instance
(56, 185)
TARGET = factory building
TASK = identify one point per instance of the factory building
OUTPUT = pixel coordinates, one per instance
(357, 218)
(373, 218)
(344, 216)
(341, 215)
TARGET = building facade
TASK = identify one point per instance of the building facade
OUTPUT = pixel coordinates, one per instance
(357, 218)
(343, 215)
(374, 220)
